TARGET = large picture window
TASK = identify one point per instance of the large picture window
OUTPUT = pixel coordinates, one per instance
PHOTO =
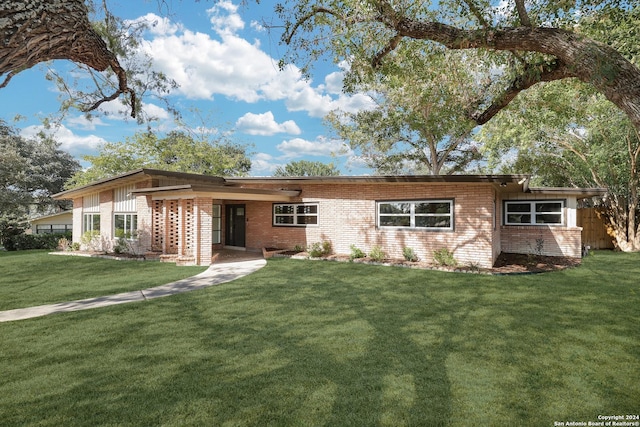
(90, 222)
(534, 212)
(296, 214)
(126, 225)
(428, 214)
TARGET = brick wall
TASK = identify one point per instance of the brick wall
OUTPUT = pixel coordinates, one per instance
(203, 210)
(543, 240)
(347, 216)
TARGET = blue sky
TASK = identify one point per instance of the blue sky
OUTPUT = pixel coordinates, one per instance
(226, 65)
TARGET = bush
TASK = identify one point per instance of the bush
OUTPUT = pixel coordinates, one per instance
(320, 249)
(23, 242)
(377, 254)
(444, 257)
(409, 254)
(356, 253)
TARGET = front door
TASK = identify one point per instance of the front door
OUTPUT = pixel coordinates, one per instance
(235, 225)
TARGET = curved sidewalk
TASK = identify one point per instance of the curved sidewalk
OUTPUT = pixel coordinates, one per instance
(214, 275)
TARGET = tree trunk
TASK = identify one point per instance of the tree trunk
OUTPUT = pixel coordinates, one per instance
(34, 31)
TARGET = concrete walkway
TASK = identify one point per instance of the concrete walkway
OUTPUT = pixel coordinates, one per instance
(214, 275)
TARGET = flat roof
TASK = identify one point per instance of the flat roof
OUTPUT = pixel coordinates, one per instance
(506, 183)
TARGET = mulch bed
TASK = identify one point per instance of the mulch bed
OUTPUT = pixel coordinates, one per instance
(507, 263)
(521, 263)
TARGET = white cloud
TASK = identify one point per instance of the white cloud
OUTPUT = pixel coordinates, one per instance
(265, 124)
(263, 164)
(69, 141)
(238, 69)
(82, 122)
(298, 147)
(225, 19)
(157, 25)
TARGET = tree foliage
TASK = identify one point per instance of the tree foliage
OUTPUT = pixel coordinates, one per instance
(523, 43)
(306, 168)
(177, 151)
(565, 134)
(421, 123)
(31, 170)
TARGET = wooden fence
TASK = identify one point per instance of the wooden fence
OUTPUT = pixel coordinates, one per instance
(594, 229)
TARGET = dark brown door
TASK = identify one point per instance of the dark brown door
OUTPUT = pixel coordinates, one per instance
(235, 225)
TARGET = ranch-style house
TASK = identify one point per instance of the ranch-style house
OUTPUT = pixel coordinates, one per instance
(189, 216)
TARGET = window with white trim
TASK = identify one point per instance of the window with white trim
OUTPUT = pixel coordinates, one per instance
(125, 225)
(295, 214)
(534, 212)
(427, 214)
(90, 222)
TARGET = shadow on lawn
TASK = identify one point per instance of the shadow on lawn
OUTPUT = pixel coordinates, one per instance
(308, 344)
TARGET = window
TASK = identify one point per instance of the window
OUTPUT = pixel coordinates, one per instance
(126, 225)
(90, 222)
(53, 228)
(216, 226)
(295, 215)
(534, 212)
(430, 214)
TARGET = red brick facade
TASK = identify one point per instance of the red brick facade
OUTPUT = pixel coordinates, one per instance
(175, 216)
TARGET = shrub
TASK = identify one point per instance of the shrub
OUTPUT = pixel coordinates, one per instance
(23, 242)
(409, 254)
(91, 240)
(444, 257)
(319, 249)
(377, 254)
(356, 253)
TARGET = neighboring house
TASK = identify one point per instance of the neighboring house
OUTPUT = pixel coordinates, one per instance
(57, 223)
(191, 216)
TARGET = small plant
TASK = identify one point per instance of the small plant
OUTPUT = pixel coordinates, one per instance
(91, 240)
(475, 267)
(377, 254)
(356, 253)
(121, 246)
(320, 249)
(298, 248)
(75, 246)
(444, 257)
(64, 244)
(409, 254)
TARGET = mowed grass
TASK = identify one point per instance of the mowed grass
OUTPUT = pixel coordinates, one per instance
(305, 343)
(32, 278)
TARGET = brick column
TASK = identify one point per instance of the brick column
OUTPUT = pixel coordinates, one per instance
(203, 227)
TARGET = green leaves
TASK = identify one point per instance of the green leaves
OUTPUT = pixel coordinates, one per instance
(177, 151)
(306, 168)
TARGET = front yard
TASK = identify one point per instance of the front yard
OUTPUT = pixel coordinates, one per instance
(323, 343)
(32, 278)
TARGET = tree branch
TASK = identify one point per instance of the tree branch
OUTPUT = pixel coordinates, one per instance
(533, 74)
(522, 13)
(44, 30)
(477, 13)
(300, 22)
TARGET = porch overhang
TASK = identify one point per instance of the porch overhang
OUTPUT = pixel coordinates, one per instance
(190, 191)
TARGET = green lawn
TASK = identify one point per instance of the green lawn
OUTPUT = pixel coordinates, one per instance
(34, 277)
(304, 343)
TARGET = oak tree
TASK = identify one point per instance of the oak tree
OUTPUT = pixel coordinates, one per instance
(526, 42)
